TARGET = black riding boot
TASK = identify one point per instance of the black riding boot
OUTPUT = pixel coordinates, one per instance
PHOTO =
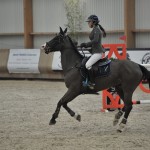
(87, 75)
(84, 75)
(91, 79)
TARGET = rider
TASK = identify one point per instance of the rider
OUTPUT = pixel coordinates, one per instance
(95, 36)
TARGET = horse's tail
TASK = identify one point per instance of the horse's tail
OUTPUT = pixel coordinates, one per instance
(146, 74)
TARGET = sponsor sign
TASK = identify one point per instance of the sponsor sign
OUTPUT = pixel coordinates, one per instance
(56, 63)
(138, 56)
(23, 61)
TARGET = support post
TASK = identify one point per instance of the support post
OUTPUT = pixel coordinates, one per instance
(129, 22)
(28, 24)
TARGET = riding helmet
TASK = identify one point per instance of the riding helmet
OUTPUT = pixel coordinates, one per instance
(93, 18)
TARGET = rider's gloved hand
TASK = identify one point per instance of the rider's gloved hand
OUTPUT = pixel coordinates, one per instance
(83, 45)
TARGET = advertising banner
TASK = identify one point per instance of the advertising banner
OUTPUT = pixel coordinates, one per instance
(23, 61)
(56, 63)
(138, 56)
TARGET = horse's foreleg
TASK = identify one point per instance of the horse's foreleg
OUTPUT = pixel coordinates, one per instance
(72, 113)
(55, 115)
(70, 95)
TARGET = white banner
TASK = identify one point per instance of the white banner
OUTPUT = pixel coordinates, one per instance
(56, 63)
(23, 61)
(138, 56)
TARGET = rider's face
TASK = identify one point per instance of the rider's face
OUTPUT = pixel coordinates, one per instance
(90, 23)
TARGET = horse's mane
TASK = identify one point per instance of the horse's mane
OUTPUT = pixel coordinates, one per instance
(74, 47)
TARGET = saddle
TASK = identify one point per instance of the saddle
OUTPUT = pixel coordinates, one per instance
(99, 69)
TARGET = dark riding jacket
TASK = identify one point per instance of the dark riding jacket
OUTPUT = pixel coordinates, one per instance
(96, 42)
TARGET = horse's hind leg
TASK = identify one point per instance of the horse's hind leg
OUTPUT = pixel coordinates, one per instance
(70, 95)
(128, 107)
(117, 117)
(121, 111)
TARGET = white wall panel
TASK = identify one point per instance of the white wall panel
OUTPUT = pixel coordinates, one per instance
(11, 16)
(110, 12)
(48, 15)
(142, 40)
(11, 42)
(142, 14)
(142, 22)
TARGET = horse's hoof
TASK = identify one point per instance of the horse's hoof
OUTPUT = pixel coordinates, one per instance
(115, 122)
(78, 118)
(52, 122)
(121, 128)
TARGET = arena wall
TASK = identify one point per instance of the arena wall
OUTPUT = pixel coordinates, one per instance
(49, 15)
(49, 66)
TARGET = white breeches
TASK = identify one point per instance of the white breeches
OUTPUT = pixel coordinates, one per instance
(93, 59)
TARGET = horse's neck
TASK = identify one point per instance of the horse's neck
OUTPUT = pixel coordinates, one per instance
(69, 58)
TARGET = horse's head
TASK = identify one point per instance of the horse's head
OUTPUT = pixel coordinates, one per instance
(56, 43)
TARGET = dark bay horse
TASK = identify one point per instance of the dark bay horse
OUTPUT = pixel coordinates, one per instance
(125, 77)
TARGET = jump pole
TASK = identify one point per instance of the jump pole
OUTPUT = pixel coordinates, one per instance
(134, 103)
(141, 102)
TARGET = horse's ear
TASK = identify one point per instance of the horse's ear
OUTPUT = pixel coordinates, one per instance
(65, 31)
(61, 31)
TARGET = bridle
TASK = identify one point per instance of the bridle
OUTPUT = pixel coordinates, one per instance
(57, 40)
